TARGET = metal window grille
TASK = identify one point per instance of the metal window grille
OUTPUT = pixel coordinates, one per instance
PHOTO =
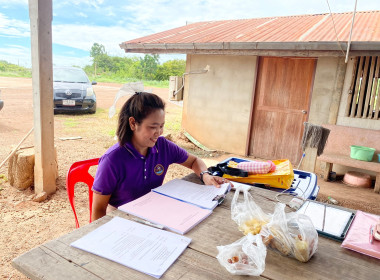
(363, 98)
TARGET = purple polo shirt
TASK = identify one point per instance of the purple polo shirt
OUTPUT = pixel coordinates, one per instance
(126, 175)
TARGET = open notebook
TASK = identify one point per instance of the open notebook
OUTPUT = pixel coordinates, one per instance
(177, 205)
(207, 197)
(329, 221)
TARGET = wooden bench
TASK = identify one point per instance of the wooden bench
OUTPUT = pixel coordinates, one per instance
(337, 149)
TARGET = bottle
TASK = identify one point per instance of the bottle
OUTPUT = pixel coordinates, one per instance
(332, 200)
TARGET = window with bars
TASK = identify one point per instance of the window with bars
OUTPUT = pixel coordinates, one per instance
(363, 98)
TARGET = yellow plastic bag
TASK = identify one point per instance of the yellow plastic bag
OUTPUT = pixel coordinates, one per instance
(281, 178)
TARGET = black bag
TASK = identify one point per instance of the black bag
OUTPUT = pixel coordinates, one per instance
(223, 168)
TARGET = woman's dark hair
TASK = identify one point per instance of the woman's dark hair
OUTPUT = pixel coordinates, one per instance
(138, 106)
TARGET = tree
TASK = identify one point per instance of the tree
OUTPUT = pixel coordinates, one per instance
(148, 66)
(175, 67)
(97, 52)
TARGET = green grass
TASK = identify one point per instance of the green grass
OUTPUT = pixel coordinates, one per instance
(3, 179)
(173, 123)
(112, 132)
(107, 78)
(12, 70)
(89, 125)
(70, 123)
(14, 74)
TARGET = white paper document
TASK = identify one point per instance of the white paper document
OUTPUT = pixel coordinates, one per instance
(325, 218)
(146, 249)
(207, 197)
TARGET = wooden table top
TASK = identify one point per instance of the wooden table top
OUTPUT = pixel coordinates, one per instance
(57, 260)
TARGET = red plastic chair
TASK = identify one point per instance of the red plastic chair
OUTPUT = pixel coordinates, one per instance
(78, 172)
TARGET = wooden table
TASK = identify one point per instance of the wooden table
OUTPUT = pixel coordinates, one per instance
(57, 260)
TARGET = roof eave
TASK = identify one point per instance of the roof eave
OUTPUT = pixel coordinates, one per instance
(254, 47)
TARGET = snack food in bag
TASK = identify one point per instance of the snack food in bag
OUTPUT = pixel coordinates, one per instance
(245, 256)
(291, 234)
(249, 217)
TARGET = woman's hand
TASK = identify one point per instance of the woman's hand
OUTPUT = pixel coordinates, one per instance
(197, 165)
(214, 180)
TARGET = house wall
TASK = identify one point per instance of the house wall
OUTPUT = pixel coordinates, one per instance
(329, 99)
(348, 121)
(217, 104)
(325, 100)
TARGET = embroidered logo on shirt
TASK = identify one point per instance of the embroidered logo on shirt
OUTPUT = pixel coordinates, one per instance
(159, 169)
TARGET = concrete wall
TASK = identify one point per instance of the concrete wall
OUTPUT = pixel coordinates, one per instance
(347, 121)
(328, 104)
(217, 104)
(325, 100)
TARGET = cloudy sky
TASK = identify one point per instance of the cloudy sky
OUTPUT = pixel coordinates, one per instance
(77, 24)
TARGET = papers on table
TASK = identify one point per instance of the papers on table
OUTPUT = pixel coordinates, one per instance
(146, 249)
(177, 205)
(176, 215)
(207, 197)
(328, 220)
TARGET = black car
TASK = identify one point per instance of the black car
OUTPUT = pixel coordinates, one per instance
(1, 102)
(73, 91)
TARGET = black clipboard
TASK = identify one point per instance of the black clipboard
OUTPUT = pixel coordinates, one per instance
(329, 221)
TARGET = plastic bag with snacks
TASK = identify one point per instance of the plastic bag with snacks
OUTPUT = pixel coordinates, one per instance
(247, 214)
(245, 256)
(292, 234)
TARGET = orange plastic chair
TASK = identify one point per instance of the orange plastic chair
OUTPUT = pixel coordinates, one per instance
(78, 172)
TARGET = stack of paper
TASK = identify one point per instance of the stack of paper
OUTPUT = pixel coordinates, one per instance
(177, 205)
(146, 249)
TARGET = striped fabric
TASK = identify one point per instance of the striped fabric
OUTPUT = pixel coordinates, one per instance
(257, 167)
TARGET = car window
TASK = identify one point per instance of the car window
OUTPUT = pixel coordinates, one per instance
(69, 75)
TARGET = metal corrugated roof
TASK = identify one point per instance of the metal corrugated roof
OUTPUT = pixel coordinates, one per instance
(304, 32)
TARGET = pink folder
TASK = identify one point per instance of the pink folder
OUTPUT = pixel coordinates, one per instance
(176, 215)
(358, 235)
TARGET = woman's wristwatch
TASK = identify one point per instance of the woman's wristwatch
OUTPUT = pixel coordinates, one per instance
(202, 173)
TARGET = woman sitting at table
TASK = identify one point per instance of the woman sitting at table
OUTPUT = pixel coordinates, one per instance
(140, 159)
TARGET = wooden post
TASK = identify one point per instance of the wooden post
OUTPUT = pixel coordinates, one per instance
(40, 13)
(328, 169)
(377, 183)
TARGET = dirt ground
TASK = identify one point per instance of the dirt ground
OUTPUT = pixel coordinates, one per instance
(26, 224)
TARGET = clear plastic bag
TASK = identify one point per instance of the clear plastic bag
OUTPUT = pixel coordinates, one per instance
(245, 256)
(291, 234)
(247, 214)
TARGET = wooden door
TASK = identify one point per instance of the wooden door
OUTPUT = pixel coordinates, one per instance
(282, 99)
